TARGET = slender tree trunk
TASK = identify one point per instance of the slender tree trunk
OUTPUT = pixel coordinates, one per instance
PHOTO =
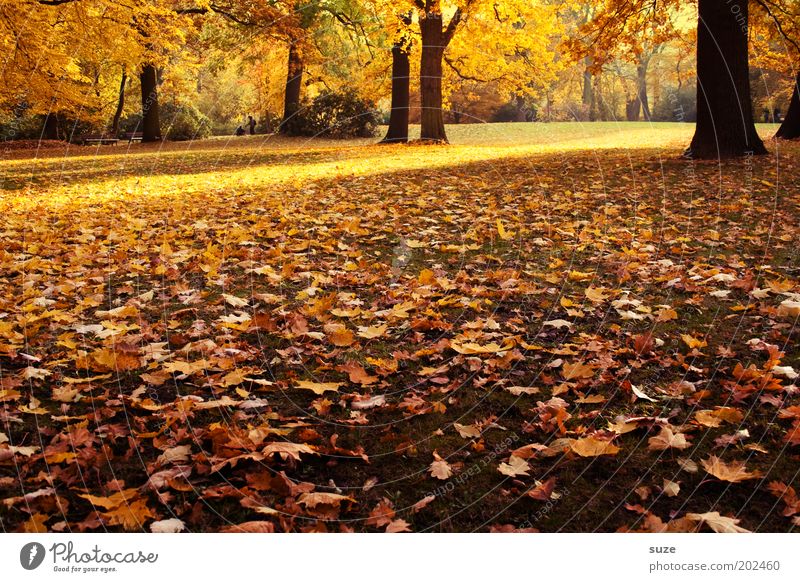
(725, 126)
(586, 97)
(401, 73)
(294, 83)
(595, 110)
(151, 121)
(641, 90)
(432, 117)
(790, 127)
(120, 104)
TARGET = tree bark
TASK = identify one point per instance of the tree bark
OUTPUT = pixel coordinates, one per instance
(632, 108)
(641, 90)
(151, 121)
(790, 127)
(120, 104)
(725, 126)
(587, 96)
(401, 83)
(432, 118)
(294, 83)
(50, 130)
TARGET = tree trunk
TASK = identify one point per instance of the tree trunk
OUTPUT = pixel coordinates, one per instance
(632, 107)
(401, 73)
(120, 105)
(586, 97)
(641, 90)
(595, 111)
(790, 128)
(50, 130)
(432, 118)
(294, 83)
(151, 121)
(725, 126)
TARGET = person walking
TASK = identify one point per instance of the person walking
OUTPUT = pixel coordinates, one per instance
(252, 123)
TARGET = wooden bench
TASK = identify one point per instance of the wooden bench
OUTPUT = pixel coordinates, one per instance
(132, 136)
(97, 139)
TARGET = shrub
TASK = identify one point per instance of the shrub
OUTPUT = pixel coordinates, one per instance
(180, 122)
(340, 115)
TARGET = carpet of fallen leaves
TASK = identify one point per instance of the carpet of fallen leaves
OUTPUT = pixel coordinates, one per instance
(546, 327)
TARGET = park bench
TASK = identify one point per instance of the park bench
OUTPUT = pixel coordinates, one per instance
(132, 136)
(98, 138)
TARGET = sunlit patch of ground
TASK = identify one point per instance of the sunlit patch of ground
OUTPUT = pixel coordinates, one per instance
(294, 335)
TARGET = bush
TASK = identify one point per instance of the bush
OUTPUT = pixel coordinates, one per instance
(181, 122)
(676, 106)
(338, 115)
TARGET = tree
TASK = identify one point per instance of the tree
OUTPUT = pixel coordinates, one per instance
(725, 126)
(151, 120)
(790, 126)
(401, 83)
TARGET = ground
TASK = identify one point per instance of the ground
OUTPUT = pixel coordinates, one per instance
(552, 327)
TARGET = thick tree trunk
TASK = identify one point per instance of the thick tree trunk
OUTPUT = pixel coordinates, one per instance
(294, 83)
(50, 130)
(790, 128)
(151, 120)
(641, 90)
(120, 105)
(401, 72)
(632, 107)
(432, 117)
(725, 126)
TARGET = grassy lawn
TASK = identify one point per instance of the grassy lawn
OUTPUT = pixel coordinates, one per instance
(300, 335)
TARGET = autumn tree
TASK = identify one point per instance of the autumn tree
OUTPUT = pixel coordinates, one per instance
(725, 126)
(401, 82)
(777, 28)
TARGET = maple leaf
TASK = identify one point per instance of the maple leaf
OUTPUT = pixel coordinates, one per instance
(440, 468)
(717, 522)
(318, 388)
(131, 516)
(113, 501)
(172, 525)
(670, 488)
(398, 526)
(470, 348)
(577, 371)
(339, 335)
(316, 498)
(543, 491)
(666, 439)
(288, 450)
(593, 447)
(257, 526)
(693, 342)
(595, 295)
(422, 503)
(373, 332)
(520, 390)
(515, 467)
(733, 472)
(382, 514)
(467, 431)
